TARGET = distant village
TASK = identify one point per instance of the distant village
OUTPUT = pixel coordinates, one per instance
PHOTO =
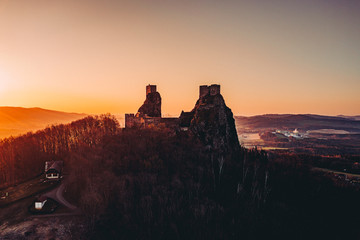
(294, 134)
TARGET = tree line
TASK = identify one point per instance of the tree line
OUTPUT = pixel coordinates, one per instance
(24, 157)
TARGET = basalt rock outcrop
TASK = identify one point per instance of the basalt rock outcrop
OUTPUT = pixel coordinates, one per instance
(149, 114)
(213, 123)
(152, 104)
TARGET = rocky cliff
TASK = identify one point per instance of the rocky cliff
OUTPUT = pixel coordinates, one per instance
(152, 105)
(213, 123)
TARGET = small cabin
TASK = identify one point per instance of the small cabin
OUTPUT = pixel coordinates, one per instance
(40, 202)
(53, 169)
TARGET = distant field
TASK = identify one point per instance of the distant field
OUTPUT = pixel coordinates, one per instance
(273, 148)
(250, 140)
(317, 134)
(331, 131)
(351, 175)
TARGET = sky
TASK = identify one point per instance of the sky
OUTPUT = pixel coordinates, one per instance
(97, 56)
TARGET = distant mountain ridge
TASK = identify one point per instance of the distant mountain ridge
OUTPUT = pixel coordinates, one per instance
(302, 121)
(19, 120)
(357, 117)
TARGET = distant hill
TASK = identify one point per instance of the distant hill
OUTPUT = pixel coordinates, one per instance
(357, 117)
(301, 121)
(18, 120)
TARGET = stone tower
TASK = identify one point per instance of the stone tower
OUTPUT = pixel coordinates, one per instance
(213, 90)
(150, 89)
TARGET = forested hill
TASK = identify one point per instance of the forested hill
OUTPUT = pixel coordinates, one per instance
(157, 183)
(23, 157)
(17, 120)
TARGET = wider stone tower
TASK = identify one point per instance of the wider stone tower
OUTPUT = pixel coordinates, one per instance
(213, 90)
(150, 89)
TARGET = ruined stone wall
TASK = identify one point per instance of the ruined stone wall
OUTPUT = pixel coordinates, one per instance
(137, 121)
(170, 122)
(149, 114)
(129, 120)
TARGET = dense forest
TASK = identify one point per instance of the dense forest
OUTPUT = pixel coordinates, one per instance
(158, 183)
(24, 157)
(153, 184)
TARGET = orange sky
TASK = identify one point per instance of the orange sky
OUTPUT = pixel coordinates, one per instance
(97, 56)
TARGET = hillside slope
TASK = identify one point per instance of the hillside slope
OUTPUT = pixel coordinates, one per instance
(17, 120)
(301, 121)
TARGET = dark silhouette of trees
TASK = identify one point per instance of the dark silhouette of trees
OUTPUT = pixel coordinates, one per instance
(155, 183)
(23, 157)
(159, 184)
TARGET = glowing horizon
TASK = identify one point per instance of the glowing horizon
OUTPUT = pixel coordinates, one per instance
(97, 56)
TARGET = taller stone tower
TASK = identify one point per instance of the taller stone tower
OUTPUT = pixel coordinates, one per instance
(152, 104)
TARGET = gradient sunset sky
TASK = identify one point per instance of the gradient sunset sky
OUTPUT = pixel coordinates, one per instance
(97, 56)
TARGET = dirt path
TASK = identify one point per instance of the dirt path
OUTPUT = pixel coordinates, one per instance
(57, 194)
(55, 215)
(351, 175)
(17, 223)
(24, 190)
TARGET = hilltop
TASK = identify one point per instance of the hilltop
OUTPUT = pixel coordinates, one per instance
(17, 120)
(186, 180)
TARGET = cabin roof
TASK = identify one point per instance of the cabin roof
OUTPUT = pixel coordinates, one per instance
(53, 166)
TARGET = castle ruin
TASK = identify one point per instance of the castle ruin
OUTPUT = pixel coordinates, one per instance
(149, 114)
(212, 90)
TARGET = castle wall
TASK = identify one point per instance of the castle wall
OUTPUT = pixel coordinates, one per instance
(129, 120)
(143, 121)
(147, 121)
(137, 121)
(170, 122)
